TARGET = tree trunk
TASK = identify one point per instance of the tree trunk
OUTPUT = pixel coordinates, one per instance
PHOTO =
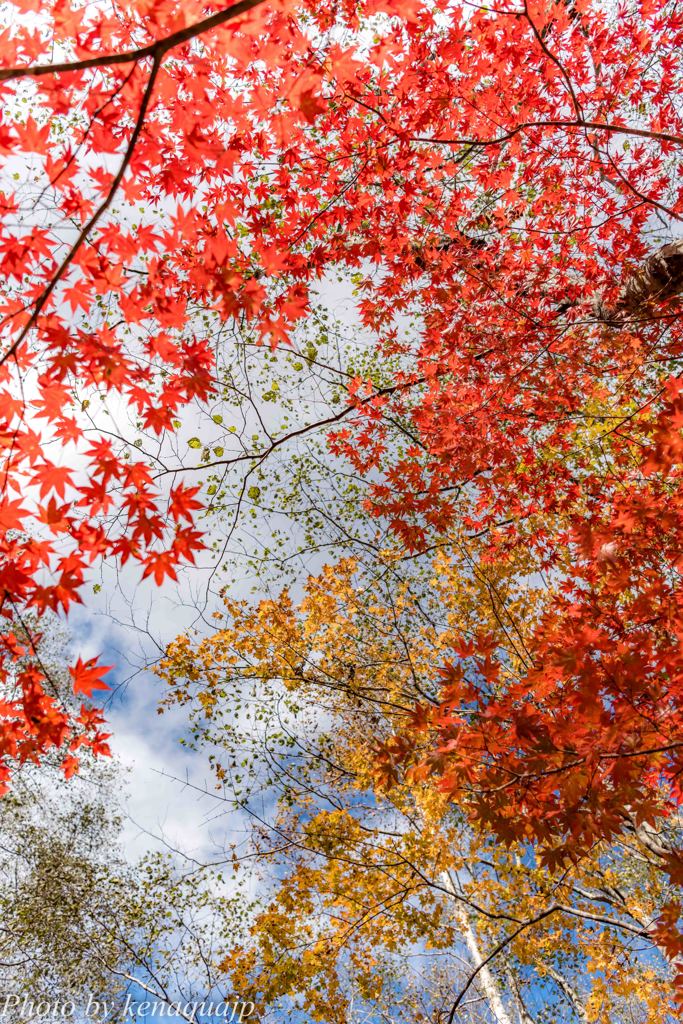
(659, 279)
(488, 983)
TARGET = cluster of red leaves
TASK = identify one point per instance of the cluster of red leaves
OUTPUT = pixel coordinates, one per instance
(590, 735)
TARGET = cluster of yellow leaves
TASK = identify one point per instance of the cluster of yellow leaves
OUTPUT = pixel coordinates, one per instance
(370, 893)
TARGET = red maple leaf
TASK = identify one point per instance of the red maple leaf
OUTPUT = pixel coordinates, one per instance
(87, 676)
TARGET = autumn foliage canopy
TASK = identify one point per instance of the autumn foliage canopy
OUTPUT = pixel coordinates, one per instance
(504, 185)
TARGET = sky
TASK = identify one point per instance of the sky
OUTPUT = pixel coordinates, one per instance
(127, 622)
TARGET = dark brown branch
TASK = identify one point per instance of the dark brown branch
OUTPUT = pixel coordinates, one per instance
(328, 421)
(87, 228)
(157, 49)
(493, 954)
(557, 908)
(540, 38)
(598, 126)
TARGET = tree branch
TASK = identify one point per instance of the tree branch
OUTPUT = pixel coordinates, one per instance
(157, 49)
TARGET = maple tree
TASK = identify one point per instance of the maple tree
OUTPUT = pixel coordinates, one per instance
(384, 904)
